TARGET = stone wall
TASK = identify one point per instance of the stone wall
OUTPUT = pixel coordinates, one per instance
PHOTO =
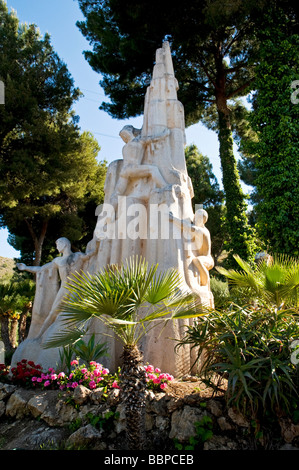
(33, 419)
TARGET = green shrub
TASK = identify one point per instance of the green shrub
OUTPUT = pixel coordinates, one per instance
(220, 292)
(250, 348)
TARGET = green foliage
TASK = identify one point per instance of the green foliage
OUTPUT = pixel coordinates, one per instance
(274, 281)
(48, 169)
(90, 351)
(204, 432)
(274, 155)
(220, 292)
(105, 422)
(250, 348)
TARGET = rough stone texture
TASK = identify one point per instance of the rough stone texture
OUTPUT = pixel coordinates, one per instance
(33, 420)
(182, 423)
(85, 436)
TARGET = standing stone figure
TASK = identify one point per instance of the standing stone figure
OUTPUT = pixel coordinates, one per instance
(51, 280)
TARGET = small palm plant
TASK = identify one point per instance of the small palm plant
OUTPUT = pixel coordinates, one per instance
(274, 282)
(130, 299)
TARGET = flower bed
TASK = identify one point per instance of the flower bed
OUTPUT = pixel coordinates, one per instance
(92, 376)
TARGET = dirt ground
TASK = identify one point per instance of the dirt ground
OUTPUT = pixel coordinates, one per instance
(182, 388)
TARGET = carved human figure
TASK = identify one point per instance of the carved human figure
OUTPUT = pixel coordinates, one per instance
(64, 265)
(200, 243)
(133, 153)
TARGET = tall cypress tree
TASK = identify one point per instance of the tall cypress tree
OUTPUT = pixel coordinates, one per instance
(273, 156)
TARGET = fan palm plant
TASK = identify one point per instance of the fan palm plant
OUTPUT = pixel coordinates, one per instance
(275, 281)
(130, 299)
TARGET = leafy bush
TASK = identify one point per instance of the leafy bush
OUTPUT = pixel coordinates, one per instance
(250, 348)
(220, 292)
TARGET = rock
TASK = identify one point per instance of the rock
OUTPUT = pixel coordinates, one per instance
(215, 407)
(159, 405)
(238, 418)
(289, 430)
(38, 404)
(120, 424)
(182, 423)
(85, 437)
(224, 424)
(81, 394)
(31, 435)
(6, 390)
(2, 409)
(162, 423)
(220, 443)
(16, 406)
(113, 397)
(288, 447)
(58, 412)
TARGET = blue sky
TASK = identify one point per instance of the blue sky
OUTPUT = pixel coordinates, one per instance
(58, 18)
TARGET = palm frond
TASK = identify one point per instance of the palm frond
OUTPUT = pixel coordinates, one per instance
(64, 338)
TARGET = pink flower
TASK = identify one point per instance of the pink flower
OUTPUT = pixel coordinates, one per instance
(163, 385)
(163, 376)
(92, 384)
(74, 384)
(39, 379)
(152, 376)
(149, 368)
(61, 375)
(74, 362)
(157, 370)
(105, 371)
(47, 383)
(53, 377)
(115, 384)
(156, 380)
(97, 372)
(92, 363)
(34, 379)
(84, 370)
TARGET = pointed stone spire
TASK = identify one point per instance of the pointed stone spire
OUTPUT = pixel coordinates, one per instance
(162, 110)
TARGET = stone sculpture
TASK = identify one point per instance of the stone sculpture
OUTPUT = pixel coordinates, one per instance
(147, 212)
(51, 280)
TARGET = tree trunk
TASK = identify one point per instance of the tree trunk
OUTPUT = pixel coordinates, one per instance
(37, 241)
(13, 332)
(5, 333)
(23, 330)
(133, 386)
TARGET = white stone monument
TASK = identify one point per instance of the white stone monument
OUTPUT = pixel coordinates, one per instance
(147, 212)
